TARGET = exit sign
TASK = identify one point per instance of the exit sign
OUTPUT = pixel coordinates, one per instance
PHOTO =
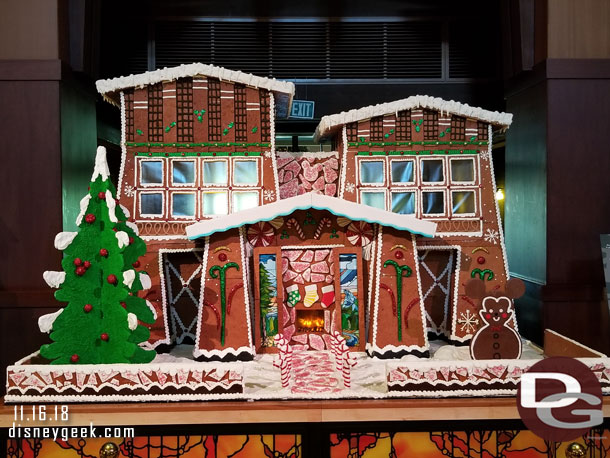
(302, 109)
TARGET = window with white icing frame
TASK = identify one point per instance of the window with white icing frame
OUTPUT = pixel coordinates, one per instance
(183, 172)
(376, 198)
(215, 202)
(432, 171)
(183, 205)
(215, 172)
(245, 172)
(150, 172)
(433, 203)
(151, 204)
(404, 201)
(244, 200)
(463, 170)
(464, 202)
(372, 172)
(402, 171)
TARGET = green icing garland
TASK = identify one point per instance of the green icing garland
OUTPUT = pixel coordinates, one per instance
(400, 271)
(223, 287)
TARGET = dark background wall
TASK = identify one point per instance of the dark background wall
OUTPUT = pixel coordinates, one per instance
(546, 62)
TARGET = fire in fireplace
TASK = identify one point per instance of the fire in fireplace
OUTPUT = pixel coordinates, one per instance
(310, 321)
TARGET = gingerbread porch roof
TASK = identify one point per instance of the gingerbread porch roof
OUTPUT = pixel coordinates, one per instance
(111, 88)
(331, 123)
(334, 205)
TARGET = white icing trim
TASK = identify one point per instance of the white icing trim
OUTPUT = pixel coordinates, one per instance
(422, 310)
(152, 309)
(132, 321)
(327, 123)
(125, 211)
(45, 322)
(122, 238)
(163, 237)
(111, 203)
(336, 206)
(343, 180)
(145, 280)
(64, 239)
(84, 203)
(128, 277)
(197, 352)
(204, 274)
(164, 307)
(377, 282)
(123, 150)
(276, 179)
(133, 227)
(101, 165)
(53, 278)
(108, 87)
(246, 281)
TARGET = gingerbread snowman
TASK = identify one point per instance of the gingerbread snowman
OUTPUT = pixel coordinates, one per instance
(496, 338)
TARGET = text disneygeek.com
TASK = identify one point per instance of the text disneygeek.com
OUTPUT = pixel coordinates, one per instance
(68, 432)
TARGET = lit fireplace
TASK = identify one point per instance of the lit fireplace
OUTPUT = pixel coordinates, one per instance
(310, 321)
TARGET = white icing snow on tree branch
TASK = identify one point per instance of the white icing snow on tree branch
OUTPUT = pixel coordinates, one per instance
(128, 277)
(53, 278)
(101, 165)
(122, 238)
(111, 207)
(145, 280)
(64, 239)
(84, 203)
(45, 322)
(132, 321)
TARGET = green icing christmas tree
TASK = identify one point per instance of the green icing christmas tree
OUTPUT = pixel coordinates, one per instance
(100, 283)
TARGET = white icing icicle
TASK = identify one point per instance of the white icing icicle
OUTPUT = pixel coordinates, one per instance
(133, 227)
(84, 203)
(53, 278)
(127, 212)
(132, 321)
(111, 207)
(128, 277)
(45, 322)
(145, 280)
(101, 165)
(152, 309)
(64, 239)
(123, 238)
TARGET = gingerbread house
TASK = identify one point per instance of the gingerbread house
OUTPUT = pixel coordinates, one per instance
(375, 240)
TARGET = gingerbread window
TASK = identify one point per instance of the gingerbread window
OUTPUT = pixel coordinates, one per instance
(215, 172)
(215, 203)
(245, 172)
(403, 202)
(155, 112)
(372, 172)
(432, 171)
(151, 204)
(403, 126)
(352, 132)
(482, 131)
(373, 199)
(244, 200)
(462, 171)
(433, 203)
(214, 130)
(151, 173)
(402, 171)
(463, 203)
(377, 128)
(265, 116)
(183, 204)
(241, 133)
(184, 109)
(430, 125)
(129, 118)
(183, 172)
(458, 128)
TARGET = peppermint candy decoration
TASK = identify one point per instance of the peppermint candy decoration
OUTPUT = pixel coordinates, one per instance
(359, 233)
(260, 234)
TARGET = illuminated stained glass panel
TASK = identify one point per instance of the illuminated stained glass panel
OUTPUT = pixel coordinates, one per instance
(215, 172)
(183, 172)
(151, 172)
(373, 199)
(215, 203)
(371, 172)
(183, 204)
(245, 172)
(244, 200)
(151, 203)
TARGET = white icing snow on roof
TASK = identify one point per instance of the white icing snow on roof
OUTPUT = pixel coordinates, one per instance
(109, 88)
(330, 122)
(336, 206)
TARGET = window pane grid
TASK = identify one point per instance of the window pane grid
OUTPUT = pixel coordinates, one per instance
(430, 125)
(403, 126)
(377, 129)
(129, 117)
(265, 116)
(155, 112)
(214, 131)
(352, 132)
(240, 113)
(458, 128)
(184, 109)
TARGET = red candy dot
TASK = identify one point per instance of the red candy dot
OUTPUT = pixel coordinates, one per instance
(398, 255)
(101, 195)
(130, 240)
(104, 337)
(80, 271)
(481, 260)
(74, 358)
(87, 308)
(136, 264)
(86, 264)
(111, 279)
(488, 315)
(77, 262)
(222, 257)
(123, 304)
(103, 252)
(505, 315)
(90, 218)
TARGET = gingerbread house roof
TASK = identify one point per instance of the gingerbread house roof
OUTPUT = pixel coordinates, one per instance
(334, 205)
(331, 123)
(111, 88)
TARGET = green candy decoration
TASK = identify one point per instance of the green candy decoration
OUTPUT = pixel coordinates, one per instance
(93, 327)
(482, 274)
(400, 273)
(223, 288)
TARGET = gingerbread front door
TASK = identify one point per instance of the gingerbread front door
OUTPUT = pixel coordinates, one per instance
(306, 294)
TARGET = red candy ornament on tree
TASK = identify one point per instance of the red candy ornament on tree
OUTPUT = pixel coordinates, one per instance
(80, 271)
(87, 308)
(86, 264)
(77, 262)
(104, 337)
(111, 279)
(136, 264)
(104, 252)
(74, 358)
(90, 218)
(101, 195)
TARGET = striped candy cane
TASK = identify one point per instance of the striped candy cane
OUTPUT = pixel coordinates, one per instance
(293, 223)
(324, 222)
(349, 361)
